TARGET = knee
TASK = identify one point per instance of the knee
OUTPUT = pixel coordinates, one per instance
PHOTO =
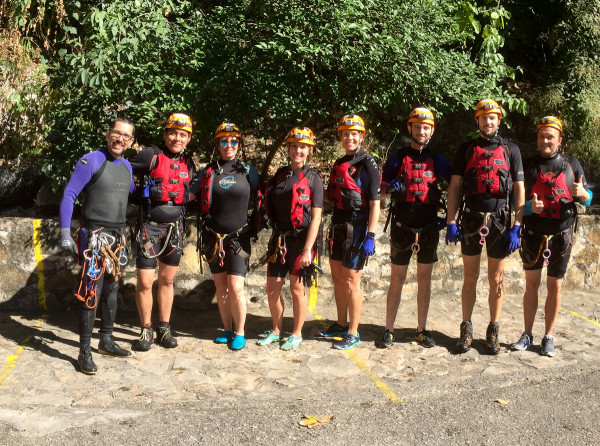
(145, 284)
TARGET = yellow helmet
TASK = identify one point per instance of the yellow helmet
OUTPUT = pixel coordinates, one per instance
(227, 129)
(302, 135)
(487, 106)
(551, 121)
(179, 121)
(421, 114)
(352, 122)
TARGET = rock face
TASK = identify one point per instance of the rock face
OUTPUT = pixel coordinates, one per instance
(26, 284)
(19, 184)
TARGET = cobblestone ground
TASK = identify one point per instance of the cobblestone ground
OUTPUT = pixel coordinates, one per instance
(202, 392)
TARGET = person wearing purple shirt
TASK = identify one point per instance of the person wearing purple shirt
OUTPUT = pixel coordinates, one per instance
(104, 179)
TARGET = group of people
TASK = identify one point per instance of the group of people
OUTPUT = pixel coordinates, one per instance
(485, 180)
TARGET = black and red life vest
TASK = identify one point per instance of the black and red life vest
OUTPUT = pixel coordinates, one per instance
(418, 180)
(344, 193)
(488, 172)
(206, 185)
(553, 190)
(301, 204)
(170, 179)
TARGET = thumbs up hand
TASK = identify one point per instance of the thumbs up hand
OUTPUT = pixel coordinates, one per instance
(537, 206)
(577, 190)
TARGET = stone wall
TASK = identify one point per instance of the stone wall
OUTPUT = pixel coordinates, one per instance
(20, 282)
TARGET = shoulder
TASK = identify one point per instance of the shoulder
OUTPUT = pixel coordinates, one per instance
(92, 160)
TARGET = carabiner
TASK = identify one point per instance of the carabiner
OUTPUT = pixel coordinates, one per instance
(221, 253)
(546, 254)
(484, 230)
(282, 250)
(415, 247)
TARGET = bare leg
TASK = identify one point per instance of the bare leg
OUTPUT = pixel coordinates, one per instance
(276, 304)
(394, 294)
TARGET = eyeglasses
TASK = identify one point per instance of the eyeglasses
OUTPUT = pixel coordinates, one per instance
(117, 134)
(225, 143)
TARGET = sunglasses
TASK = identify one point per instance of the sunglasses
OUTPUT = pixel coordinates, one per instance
(226, 143)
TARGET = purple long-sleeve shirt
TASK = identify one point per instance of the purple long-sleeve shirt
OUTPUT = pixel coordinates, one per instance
(83, 173)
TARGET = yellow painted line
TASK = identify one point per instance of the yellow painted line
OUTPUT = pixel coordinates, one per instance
(362, 366)
(11, 360)
(580, 316)
(37, 248)
(573, 313)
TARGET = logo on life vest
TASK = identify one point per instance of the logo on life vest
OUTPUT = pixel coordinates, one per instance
(303, 197)
(227, 182)
(498, 162)
(183, 175)
(428, 174)
(560, 191)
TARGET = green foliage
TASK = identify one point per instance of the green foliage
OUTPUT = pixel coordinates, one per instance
(562, 70)
(266, 65)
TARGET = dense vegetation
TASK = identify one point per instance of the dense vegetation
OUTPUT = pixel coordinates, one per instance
(68, 66)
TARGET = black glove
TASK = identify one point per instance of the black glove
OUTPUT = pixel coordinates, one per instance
(310, 274)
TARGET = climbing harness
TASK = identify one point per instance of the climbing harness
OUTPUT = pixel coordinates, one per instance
(98, 258)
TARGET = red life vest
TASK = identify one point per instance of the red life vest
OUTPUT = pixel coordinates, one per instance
(344, 193)
(553, 190)
(419, 180)
(488, 171)
(171, 179)
(301, 206)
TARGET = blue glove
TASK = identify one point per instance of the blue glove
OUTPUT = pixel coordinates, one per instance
(513, 238)
(393, 186)
(66, 241)
(453, 234)
(368, 246)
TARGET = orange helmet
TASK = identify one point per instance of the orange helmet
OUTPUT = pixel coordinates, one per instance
(421, 114)
(227, 129)
(551, 121)
(487, 106)
(352, 122)
(179, 121)
(302, 135)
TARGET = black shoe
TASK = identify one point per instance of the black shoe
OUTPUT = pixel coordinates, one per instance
(144, 343)
(335, 329)
(165, 338)
(107, 346)
(424, 338)
(387, 339)
(86, 364)
(466, 337)
(491, 338)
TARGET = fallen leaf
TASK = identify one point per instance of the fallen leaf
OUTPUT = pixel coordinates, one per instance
(311, 421)
(503, 402)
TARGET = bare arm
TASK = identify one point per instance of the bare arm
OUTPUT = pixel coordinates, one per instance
(373, 214)
(454, 198)
(519, 198)
(311, 236)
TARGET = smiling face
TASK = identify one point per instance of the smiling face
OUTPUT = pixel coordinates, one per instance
(351, 140)
(228, 147)
(299, 153)
(548, 140)
(176, 140)
(488, 124)
(119, 138)
(420, 133)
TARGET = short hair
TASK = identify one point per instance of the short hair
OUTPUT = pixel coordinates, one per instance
(124, 120)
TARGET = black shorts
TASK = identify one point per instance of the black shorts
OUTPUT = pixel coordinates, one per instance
(532, 253)
(237, 252)
(345, 243)
(291, 264)
(156, 244)
(494, 242)
(402, 239)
